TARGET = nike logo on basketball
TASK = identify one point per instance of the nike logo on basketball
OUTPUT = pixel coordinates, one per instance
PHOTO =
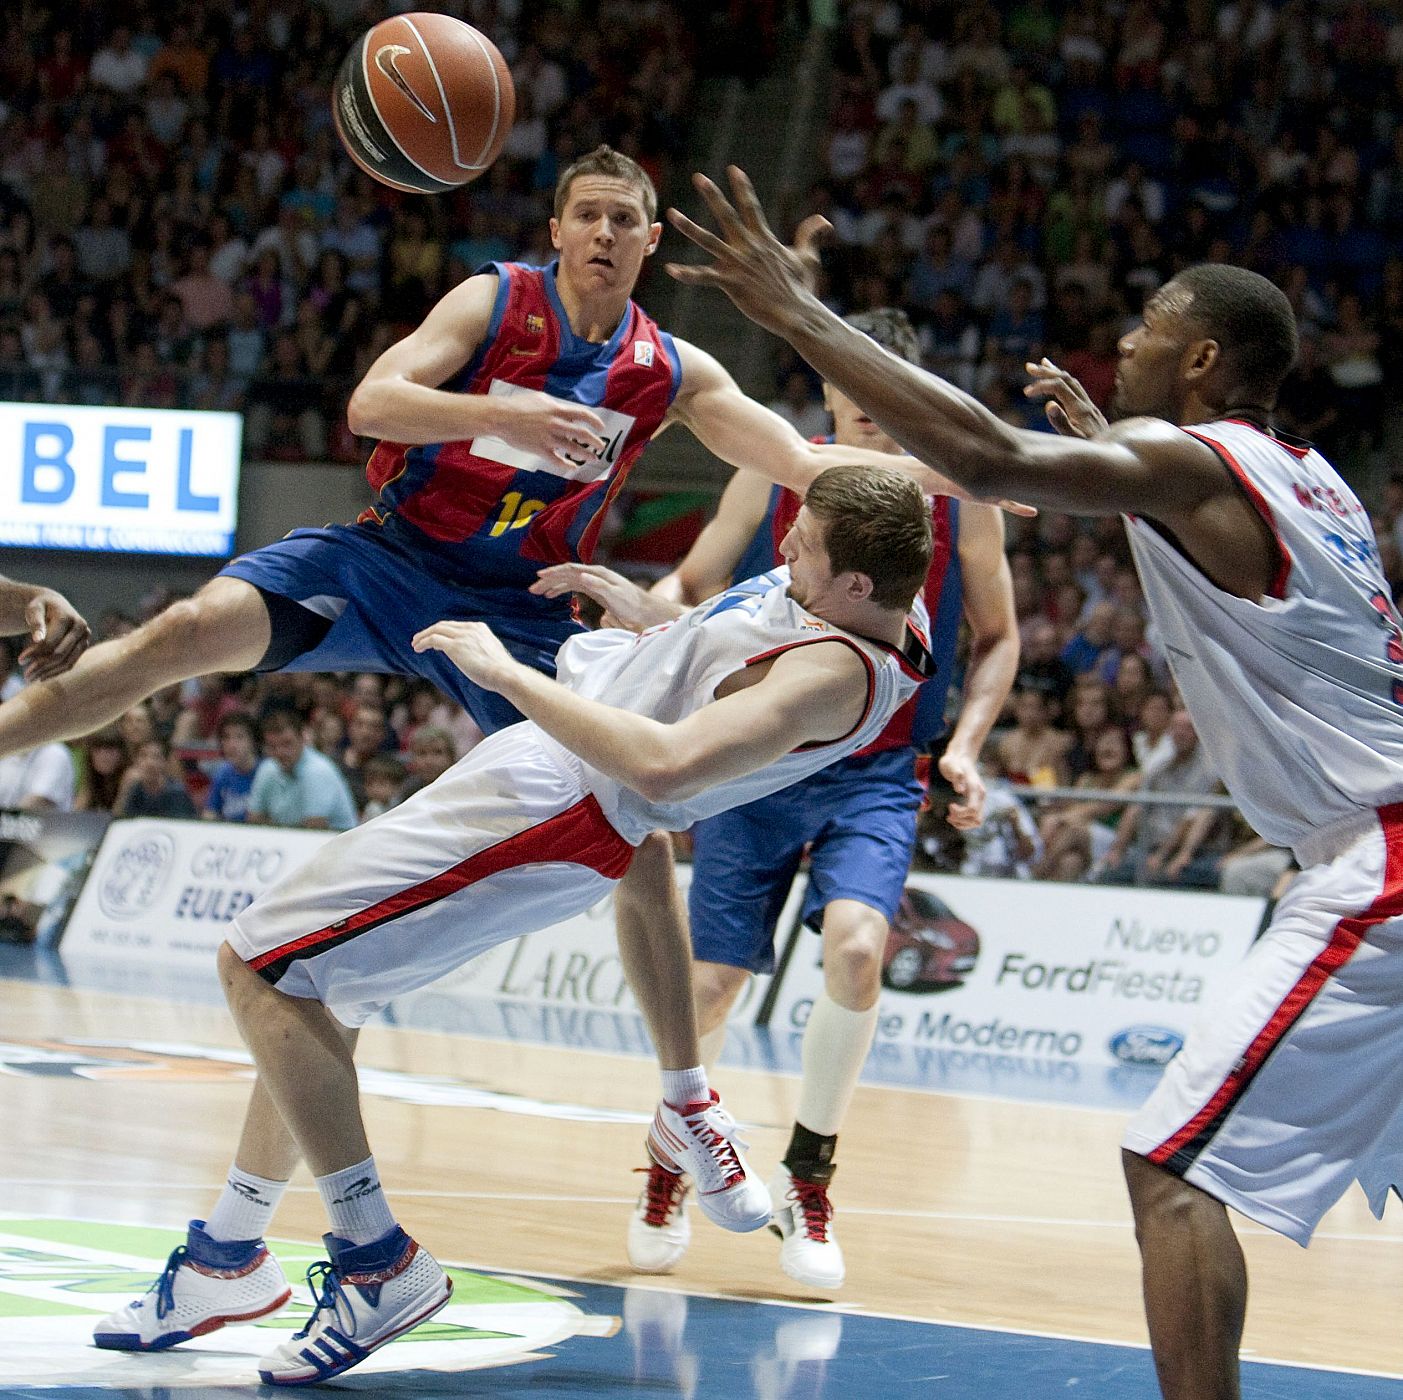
(386, 60)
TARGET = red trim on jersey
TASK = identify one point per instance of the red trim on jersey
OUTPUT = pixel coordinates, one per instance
(1297, 452)
(1344, 939)
(580, 835)
(861, 655)
(1259, 502)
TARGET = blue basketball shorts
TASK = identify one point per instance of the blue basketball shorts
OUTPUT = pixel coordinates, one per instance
(858, 818)
(380, 592)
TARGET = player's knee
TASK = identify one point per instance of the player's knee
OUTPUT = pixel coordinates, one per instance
(852, 958)
(714, 987)
(650, 873)
(178, 631)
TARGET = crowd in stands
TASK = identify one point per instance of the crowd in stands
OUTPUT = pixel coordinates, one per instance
(1020, 177)
(180, 228)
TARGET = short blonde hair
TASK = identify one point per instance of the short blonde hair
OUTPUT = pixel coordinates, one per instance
(605, 160)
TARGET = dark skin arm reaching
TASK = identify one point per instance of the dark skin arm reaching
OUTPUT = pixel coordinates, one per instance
(1141, 466)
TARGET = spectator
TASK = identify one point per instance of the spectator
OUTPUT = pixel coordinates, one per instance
(1033, 752)
(38, 780)
(1091, 645)
(367, 734)
(104, 764)
(149, 790)
(1005, 845)
(1156, 843)
(118, 65)
(384, 776)
(797, 405)
(232, 782)
(1077, 836)
(431, 755)
(295, 785)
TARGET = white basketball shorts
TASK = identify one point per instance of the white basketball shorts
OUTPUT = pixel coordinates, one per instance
(505, 842)
(1291, 1087)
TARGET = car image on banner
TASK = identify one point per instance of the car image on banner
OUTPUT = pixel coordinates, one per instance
(929, 948)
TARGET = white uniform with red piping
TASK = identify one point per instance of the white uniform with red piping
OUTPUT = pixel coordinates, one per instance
(1292, 1086)
(519, 833)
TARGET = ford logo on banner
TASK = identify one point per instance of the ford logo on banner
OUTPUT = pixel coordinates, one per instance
(135, 480)
(1146, 1045)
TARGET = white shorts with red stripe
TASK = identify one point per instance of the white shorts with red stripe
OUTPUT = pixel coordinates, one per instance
(1291, 1087)
(506, 842)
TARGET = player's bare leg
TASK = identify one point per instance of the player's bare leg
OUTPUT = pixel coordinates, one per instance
(224, 627)
(1195, 1282)
(691, 1134)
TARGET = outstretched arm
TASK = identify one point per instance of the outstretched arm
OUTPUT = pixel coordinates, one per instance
(1142, 466)
(58, 635)
(811, 694)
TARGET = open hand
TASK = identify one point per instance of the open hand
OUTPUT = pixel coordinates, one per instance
(625, 604)
(1068, 406)
(58, 636)
(472, 648)
(767, 281)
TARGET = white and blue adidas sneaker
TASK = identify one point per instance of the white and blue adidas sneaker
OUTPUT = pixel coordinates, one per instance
(206, 1285)
(365, 1297)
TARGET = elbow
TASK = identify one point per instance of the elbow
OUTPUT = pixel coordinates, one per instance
(658, 781)
(360, 412)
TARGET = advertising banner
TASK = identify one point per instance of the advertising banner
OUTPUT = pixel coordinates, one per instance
(167, 890)
(1053, 972)
(135, 480)
(43, 857)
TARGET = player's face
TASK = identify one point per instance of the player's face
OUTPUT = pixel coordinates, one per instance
(1148, 380)
(603, 235)
(851, 426)
(810, 572)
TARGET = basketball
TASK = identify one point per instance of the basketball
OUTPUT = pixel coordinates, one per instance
(423, 102)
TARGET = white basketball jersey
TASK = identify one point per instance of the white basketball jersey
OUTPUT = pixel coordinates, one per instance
(1298, 698)
(670, 671)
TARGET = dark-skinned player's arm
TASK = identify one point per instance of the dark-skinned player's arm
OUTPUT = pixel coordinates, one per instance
(811, 694)
(750, 436)
(57, 633)
(1141, 466)
(399, 399)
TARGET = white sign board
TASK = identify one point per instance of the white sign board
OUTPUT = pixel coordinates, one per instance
(137, 480)
(1053, 972)
(168, 889)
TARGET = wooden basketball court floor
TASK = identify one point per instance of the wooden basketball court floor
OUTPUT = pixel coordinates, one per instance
(988, 1239)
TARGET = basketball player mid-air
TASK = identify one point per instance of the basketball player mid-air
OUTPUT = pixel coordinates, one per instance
(717, 706)
(1262, 576)
(857, 819)
(508, 422)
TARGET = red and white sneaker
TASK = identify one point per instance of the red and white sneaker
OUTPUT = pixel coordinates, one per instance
(659, 1231)
(803, 1220)
(206, 1285)
(703, 1141)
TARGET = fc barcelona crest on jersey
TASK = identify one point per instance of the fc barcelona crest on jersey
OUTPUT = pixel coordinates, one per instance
(535, 324)
(643, 353)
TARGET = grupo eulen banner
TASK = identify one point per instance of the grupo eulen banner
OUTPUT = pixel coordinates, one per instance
(134, 480)
(1045, 971)
(166, 890)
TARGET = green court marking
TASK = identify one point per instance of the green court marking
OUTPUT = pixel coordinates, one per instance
(17, 1305)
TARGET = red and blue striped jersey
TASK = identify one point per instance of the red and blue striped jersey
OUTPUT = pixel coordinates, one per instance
(921, 720)
(492, 514)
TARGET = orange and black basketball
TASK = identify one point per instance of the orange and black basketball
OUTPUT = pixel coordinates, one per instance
(423, 102)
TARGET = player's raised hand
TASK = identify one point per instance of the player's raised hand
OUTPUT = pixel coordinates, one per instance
(962, 773)
(472, 648)
(1068, 406)
(567, 433)
(625, 604)
(767, 281)
(58, 636)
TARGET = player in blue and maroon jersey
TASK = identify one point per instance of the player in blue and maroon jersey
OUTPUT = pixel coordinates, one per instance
(507, 421)
(857, 819)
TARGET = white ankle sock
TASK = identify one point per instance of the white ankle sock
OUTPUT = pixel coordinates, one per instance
(355, 1203)
(245, 1207)
(684, 1086)
(836, 1042)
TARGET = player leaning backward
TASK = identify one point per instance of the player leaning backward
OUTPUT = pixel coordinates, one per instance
(1262, 576)
(509, 420)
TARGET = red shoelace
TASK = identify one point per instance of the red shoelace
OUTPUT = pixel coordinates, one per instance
(814, 1206)
(662, 1194)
